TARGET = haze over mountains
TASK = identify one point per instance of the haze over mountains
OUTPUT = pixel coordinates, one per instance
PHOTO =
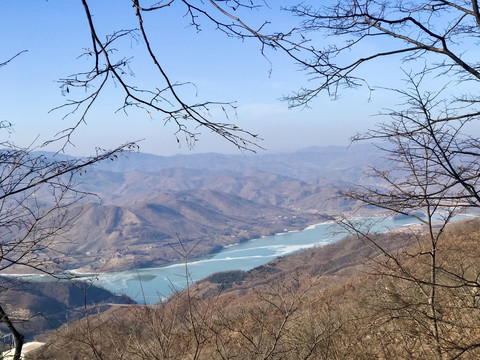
(150, 203)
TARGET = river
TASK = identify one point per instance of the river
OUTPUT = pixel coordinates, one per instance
(153, 284)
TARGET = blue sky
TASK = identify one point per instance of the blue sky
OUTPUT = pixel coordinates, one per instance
(223, 69)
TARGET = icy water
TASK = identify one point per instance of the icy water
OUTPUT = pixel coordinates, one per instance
(152, 284)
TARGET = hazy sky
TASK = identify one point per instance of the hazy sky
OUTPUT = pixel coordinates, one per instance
(223, 69)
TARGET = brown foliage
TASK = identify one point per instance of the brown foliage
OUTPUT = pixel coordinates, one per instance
(379, 315)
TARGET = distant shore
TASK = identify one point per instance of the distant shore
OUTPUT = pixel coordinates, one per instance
(84, 272)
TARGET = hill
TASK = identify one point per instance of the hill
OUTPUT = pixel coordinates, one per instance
(146, 204)
(149, 229)
(335, 163)
(345, 300)
(36, 307)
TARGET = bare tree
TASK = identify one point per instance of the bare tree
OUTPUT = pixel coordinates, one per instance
(432, 174)
(36, 195)
(426, 133)
(442, 34)
(432, 152)
(36, 192)
(166, 97)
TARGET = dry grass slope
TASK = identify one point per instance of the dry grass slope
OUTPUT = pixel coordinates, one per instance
(344, 301)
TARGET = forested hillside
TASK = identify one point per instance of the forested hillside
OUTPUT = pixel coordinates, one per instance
(346, 300)
(40, 306)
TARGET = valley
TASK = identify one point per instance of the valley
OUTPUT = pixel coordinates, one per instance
(144, 208)
(205, 210)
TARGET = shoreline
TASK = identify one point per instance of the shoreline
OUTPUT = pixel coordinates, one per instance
(79, 273)
(173, 263)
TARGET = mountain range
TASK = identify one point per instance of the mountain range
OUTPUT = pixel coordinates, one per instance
(151, 210)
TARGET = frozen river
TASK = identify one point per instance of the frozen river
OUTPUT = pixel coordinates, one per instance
(152, 284)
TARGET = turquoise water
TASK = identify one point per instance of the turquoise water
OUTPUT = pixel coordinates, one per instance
(152, 284)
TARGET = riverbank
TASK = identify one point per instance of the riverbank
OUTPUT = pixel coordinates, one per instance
(133, 265)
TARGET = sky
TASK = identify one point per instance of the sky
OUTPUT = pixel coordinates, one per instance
(55, 33)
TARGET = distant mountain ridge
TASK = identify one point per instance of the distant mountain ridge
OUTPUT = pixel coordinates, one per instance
(305, 164)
